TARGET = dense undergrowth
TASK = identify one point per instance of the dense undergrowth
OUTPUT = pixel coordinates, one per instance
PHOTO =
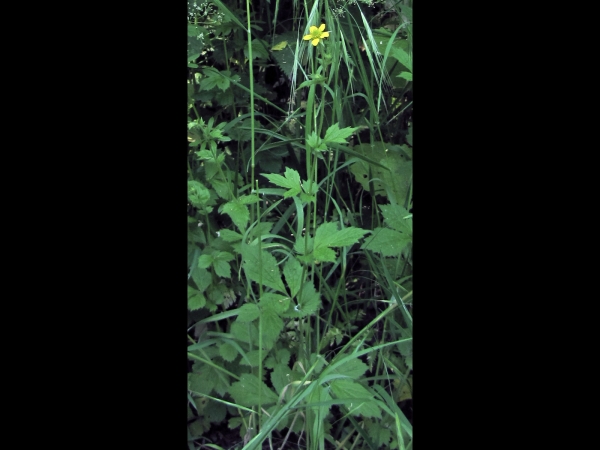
(300, 224)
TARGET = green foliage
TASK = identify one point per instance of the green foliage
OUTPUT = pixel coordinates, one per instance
(300, 223)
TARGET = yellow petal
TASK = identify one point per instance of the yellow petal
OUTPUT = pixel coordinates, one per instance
(307, 37)
(315, 42)
(313, 29)
(325, 34)
(322, 27)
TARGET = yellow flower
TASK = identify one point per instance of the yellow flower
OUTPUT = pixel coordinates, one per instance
(316, 34)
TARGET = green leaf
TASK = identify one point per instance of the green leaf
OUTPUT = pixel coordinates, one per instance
(259, 49)
(394, 217)
(406, 75)
(246, 391)
(334, 134)
(353, 368)
(205, 261)
(290, 181)
(271, 326)
(227, 351)
(245, 332)
(202, 278)
(292, 270)
(196, 301)
(274, 302)
(262, 266)
(358, 400)
(328, 235)
(230, 236)
(198, 194)
(402, 56)
(204, 380)
(308, 303)
(238, 212)
(249, 199)
(248, 312)
(222, 268)
(386, 241)
(279, 46)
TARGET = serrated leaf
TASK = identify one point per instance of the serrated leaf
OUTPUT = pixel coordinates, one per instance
(328, 235)
(274, 302)
(198, 194)
(244, 332)
(205, 261)
(203, 381)
(271, 325)
(290, 181)
(248, 312)
(230, 235)
(260, 265)
(292, 270)
(202, 278)
(222, 268)
(335, 134)
(196, 301)
(386, 241)
(238, 212)
(249, 199)
(353, 368)
(394, 217)
(227, 351)
(259, 49)
(308, 303)
(280, 377)
(246, 391)
(358, 400)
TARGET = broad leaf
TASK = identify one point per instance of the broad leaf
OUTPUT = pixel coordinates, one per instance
(238, 212)
(334, 134)
(386, 241)
(358, 400)
(261, 266)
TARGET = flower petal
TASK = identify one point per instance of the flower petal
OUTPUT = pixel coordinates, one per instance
(313, 29)
(325, 34)
(307, 37)
(315, 42)
(322, 27)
